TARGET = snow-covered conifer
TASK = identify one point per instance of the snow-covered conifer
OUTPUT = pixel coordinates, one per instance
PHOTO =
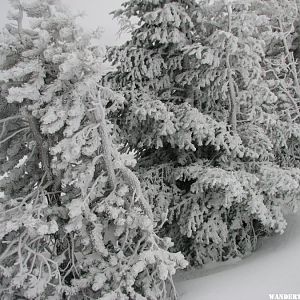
(204, 116)
(74, 223)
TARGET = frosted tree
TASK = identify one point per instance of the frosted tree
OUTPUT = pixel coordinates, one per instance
(283, 70)
(74, 223)
(203, 115)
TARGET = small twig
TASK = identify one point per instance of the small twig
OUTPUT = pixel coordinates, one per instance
(14, 134)
(10, 118)
(3, 130)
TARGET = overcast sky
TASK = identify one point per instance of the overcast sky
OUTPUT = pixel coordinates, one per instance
(97, 14)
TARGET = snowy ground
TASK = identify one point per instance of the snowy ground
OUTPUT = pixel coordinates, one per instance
(273, 268)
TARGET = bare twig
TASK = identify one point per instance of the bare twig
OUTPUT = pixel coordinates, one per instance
(12, 135)
(10, 118)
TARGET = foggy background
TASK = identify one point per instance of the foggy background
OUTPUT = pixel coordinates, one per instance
(96, 15)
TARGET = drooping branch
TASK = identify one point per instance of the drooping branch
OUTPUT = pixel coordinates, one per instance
(107, 147)
(131, 179)
(99, 115)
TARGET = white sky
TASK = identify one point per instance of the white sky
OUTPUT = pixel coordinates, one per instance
(96, 14)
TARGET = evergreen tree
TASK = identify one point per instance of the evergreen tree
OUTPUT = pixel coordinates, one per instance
(204, 117)
(282, 68)
(74, 223)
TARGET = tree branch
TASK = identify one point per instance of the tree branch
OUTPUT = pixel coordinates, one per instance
(20, 23)
(233, 104)
(99, 114)
(12, 135)
(42, 145)
(290, 59)
(10, 118)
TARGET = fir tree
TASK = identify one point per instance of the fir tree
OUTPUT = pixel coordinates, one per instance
(283, 72)
(204, 117)
(74, 221)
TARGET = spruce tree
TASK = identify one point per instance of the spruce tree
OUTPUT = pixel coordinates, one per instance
(204, 117)
(74, 222)
(283, 68)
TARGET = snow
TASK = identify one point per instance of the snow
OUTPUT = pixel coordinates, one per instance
(273, 268)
